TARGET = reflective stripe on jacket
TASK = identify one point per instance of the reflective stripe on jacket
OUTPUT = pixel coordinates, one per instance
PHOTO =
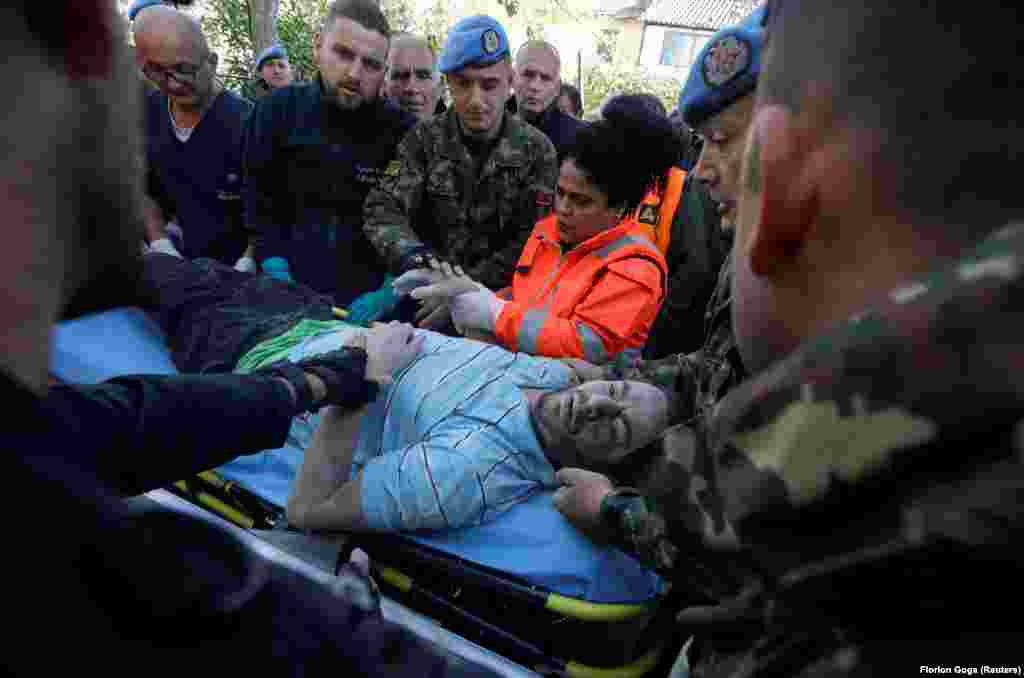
(657, 211)
(593, 302)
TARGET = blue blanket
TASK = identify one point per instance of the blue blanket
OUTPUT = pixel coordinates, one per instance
(531, 541)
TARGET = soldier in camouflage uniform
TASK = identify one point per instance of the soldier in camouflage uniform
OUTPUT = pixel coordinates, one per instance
(870, 478)
(468, 185)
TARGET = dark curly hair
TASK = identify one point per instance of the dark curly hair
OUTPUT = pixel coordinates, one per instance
(627, 152)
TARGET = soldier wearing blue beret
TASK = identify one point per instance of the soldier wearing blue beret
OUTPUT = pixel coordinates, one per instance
(273, 68)
(469, 184)
(716, 101)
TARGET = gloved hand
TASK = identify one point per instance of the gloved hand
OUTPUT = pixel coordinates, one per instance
(417, 277)
(343, 373)
(433, 314)
(165, 246)
(373, 306)
(478, 309)
(472, 305)
(277, 267)
(245, 265)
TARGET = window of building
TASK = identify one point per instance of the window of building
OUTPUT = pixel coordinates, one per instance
(679, 49)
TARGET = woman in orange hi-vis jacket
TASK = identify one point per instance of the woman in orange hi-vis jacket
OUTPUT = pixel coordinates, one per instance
(590, 281)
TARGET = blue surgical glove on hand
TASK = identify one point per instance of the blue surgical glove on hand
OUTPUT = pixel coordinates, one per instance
(374, 306)
(277, 267)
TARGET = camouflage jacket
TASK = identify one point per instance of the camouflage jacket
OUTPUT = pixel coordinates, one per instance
(700, 378)
(875, 477)
(433, 198)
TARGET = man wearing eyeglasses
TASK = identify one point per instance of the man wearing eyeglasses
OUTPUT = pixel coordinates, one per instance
(194, 131)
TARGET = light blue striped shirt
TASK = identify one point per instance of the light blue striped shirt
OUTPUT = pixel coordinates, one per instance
(451, 443)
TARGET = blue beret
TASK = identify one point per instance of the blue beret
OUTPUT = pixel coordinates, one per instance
(272, 52)
(726, 69)
(474, 41)
(140, 5)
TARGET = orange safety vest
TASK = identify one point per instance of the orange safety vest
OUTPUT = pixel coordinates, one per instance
(656, 212)
(593, 302)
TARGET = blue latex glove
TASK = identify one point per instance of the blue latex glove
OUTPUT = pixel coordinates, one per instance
(373, 306)
(277, 267)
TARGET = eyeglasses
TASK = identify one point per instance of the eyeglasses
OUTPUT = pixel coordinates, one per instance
(183, 73)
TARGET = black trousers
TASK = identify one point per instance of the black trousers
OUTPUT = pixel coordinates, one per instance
(212, 314)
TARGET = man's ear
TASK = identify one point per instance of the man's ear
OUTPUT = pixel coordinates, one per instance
(783, 181)
(317, 42)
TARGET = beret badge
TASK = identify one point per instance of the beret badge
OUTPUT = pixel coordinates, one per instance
(490, 40)
(725, 59)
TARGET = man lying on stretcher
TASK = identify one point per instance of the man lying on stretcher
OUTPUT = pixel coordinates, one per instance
(464, 432)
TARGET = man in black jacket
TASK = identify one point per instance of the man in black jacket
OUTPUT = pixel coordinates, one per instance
(313, 152)
(88, 584)
(537, 85)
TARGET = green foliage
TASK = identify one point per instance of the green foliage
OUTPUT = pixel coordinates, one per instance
(228, 25)
(432, 23)
(606, 40)
(511, 7)
(603, 80)
(297, 25)
(400, 13)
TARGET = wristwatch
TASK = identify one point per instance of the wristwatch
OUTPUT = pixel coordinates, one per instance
(635, 528)
(618, 509)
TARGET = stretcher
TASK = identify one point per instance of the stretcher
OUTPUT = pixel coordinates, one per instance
(527, 585)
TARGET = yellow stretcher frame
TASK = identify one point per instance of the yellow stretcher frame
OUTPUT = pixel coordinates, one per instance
(215, 493)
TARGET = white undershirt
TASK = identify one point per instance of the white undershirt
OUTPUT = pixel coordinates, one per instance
(183, 133)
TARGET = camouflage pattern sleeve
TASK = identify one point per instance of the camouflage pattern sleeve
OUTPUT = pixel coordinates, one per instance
(644, 528)
(681, 372)
(536, 202)
(390, 206)
(638, 530)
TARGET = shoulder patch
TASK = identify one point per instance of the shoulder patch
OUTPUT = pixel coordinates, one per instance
(648, 215)
(392, 168)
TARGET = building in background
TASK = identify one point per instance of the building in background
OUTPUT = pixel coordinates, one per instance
(667, 35)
